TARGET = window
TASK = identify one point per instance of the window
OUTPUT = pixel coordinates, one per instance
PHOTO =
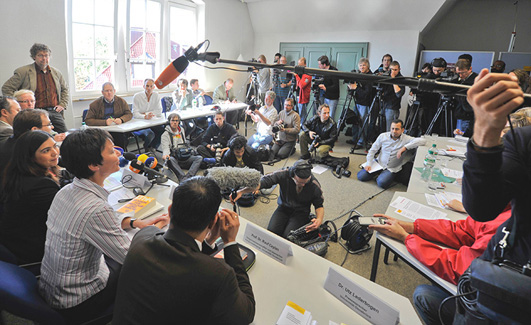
(144, 40)
(183, 34)
(92, 39)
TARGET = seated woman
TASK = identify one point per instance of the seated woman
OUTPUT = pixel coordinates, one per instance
(29, 185)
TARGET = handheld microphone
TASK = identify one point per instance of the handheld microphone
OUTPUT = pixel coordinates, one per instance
(150, 172)
(234, 178)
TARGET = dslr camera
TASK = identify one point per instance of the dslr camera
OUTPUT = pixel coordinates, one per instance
(316, 139)
(278, 127)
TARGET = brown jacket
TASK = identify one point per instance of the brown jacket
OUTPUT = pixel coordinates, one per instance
(96, 111)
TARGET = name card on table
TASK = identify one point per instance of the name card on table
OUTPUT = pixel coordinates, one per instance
(268, 243)
(360, 300)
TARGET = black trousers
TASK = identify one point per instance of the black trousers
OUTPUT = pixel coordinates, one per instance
(286, 219)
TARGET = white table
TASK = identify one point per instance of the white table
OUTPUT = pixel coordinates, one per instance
(139, 124)
(400, 250)
(301, 280)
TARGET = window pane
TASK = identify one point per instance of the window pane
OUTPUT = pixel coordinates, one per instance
(104, 43)
(153, 16)
(84, 73)
(183, 31)
(104, 12)
(83, 11)
(137, 14)
(83, 40)
(136, 51)
(152, 46)
(104, 71)
(140, 71)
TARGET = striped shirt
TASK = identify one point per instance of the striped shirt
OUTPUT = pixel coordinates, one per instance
(82, 227)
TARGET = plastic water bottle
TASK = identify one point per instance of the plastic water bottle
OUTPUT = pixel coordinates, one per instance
(194, 103)
(83, 126)
(429, 163)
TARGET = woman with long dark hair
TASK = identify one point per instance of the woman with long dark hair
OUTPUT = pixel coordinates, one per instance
(29, 185)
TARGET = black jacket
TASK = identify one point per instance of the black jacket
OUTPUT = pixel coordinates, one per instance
(365, 92)
(250, 159)
(223, 135)
(332, 86)
(391, 99)
(327, 131)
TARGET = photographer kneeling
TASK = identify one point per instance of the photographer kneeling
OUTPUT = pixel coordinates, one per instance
(216, 138)
(175, 148)
(241, 155)
(264, 119)
(323, 126)
(286, 128)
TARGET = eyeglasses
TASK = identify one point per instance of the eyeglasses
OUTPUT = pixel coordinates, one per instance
(31, 101)
(44, 125)
(43, 55)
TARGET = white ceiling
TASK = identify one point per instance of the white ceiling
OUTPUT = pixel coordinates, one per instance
(345, 15)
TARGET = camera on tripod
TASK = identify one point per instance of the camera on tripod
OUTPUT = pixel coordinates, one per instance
(448, 76)
(316, 140)
(278, 127)
(316, 83)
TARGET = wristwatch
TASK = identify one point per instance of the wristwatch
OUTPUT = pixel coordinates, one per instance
(131, 223)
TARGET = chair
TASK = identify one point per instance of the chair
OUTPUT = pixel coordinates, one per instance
(19, 296)
(85, 111)
(208, 99)
(7, 256)
(166, 102)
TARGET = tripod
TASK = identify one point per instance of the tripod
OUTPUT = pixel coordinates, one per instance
(381, 118)
(412, 117)
(446, 104)
(346, 106)
(315, 104)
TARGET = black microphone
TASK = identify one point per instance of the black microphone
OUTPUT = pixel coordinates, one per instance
(211, 57)
(149, 171)
(129, 156)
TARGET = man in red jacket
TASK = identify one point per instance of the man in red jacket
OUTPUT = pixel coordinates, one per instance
(304, 83)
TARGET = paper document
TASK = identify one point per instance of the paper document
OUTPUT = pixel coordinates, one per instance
(453, 151)
(440, 199)
(375, 166)
(452, 173)
(319, 169)
(113, 182)
(413, 210)
(293, 314)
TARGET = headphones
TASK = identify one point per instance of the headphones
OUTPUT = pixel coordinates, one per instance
(237, 141)
(298, 166)
(438, 63)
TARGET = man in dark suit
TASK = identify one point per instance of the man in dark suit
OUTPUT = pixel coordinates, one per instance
(169, 277)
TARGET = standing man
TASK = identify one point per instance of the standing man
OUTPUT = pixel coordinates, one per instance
(384, 67)
(464, 113)
(48, 84)
(282, 83)
(330, 86)
(180, 282)
(395, 149)
(264, 119)
(304, 83)
(392, 96)
(110, 110)
(323, 126)
(25, 98)
(498, 66)
(264, 79)
(364, 95)
(9, 108)
(289, 124)
(299, 190)
(147, 105)
(216, 138)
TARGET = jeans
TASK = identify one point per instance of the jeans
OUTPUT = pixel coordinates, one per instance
(463, 125)
(390, 115)
(257, 139)
(427, 299)
(193, 163)
(302, 112)
(356, 129)
(384, 180)
(332, 103)
(279, 102)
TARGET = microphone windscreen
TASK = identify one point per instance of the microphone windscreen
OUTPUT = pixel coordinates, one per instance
(233, 178)
(151, 162)
(142, 158)
(172, 71)
(129, 156)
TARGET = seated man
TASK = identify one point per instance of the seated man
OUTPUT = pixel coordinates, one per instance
(25, 98)
(147, 105)
(197, 92)
(289, 124)
(395, 152)
(466, 239)
(241, 155)
(173, 139)
(216, 138)
(188, 286)
(85, 242)
(109, 110)
(299, 189)
(225, 94)
(323, 126)
(182, 96)
(9, 108)
(264, 119)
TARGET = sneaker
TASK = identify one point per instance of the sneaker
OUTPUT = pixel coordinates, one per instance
(305, 157)
(349, 141)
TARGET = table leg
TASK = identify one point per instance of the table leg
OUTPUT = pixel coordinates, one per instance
(386, 256)
(375, 259)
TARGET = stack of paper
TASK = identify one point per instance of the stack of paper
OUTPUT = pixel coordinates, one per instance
(413, 210)
(294, 314)
(441, 199)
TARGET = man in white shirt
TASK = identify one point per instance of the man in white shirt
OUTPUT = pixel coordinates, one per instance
(395, 151)
(264, 119)
(147, 105)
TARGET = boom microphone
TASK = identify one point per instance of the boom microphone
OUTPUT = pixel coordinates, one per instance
(172, 71)
(233, 178)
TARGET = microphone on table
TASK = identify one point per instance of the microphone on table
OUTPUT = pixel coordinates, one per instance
(234, 178)
(174, 69)
(137, 166)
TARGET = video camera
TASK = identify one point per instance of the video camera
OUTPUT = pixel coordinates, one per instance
(316, 82)
(448, 76)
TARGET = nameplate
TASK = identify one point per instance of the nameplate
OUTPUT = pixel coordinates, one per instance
(268, 243)
(360, 300)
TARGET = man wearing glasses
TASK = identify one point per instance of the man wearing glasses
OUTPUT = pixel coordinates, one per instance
(463, 111)
(286, 130)
(48, 84)
(25, 98)
(392, 96)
